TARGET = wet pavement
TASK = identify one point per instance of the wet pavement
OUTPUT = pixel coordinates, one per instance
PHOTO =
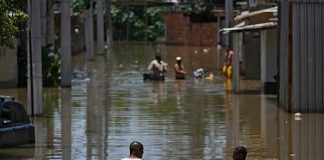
(109, 105)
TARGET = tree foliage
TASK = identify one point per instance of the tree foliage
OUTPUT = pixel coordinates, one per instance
(80, 5)
(129, 23)
(51, 66)
(12, 18)
(200, 10)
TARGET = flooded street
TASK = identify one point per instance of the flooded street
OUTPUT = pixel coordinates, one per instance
(109, 105)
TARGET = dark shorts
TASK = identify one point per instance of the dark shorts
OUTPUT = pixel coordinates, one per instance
(180, 78)
(147, 76)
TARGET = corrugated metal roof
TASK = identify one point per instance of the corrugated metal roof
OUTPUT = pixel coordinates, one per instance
(245, 15)
(235, 27)
(260, 26)
(144, 2)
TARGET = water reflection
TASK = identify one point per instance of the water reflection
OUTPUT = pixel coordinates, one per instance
(179, 92)
(109, 105)
(66, 123)
(158, 92)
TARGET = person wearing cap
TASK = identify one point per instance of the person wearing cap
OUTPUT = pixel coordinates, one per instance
(157, 69)
(136, 151)
(179, 69)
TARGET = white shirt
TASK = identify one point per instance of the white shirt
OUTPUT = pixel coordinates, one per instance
(157, 68)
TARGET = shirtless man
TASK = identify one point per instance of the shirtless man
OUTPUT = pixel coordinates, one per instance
(179, 69)
(228, 56)
(227, 69)
(136, 151)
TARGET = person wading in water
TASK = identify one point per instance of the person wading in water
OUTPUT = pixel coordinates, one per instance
(157, 69)
(227, 69)
(179, 69)
(136, 151)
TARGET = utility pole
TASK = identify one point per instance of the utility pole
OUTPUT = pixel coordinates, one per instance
(89, 32)
(34, 58)
(100, 28)
(229, 20)
(43, 21)
(66, 69)
(109, 24)
(145, 14)
(50, 37)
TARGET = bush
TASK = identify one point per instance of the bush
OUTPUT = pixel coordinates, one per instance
(133, 20)
(51, 67)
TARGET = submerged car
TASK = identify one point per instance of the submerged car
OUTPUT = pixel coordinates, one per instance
(15, 125)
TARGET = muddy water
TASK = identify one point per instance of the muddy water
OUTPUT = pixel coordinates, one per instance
(109, 105)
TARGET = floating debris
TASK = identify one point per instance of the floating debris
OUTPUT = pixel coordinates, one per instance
(298, 116)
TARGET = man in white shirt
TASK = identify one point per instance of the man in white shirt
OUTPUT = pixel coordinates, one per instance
(157, 68)
(136, 151)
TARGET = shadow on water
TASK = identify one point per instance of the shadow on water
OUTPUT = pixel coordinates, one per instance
(109, 105)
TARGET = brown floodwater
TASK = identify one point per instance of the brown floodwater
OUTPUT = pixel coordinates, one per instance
(109, 105)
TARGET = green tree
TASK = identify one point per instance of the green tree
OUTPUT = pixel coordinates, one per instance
(155, 23)
(200, 10)
(12, 18)
(129, 22)
(80, 5)
(51, 67)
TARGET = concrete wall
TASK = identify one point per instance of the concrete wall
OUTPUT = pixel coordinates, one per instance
(180, 31)
(77, 38)
(268, 59)
(9, 68)
(251, 57)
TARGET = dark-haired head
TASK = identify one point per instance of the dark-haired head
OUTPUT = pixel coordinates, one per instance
(136, 149)
(239, 153)
(158, 58)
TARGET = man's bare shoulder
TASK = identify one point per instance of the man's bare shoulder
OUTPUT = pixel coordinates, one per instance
(131, 159)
